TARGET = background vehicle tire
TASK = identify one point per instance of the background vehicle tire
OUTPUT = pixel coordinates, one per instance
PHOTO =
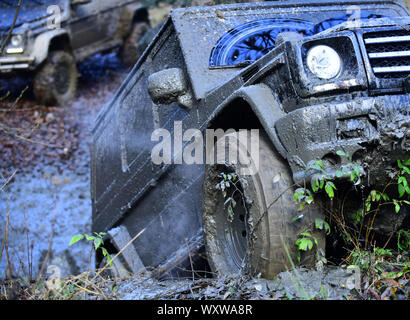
(228, 243)
(132, 48)
(56, 81)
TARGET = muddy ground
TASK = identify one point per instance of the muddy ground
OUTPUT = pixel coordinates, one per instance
(297, 284)
(48, 158)
(44, 168)
(45, 152)
(45, 164)
(45, 195)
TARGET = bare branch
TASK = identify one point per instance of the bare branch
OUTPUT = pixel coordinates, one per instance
(3, 45)
(8, 180)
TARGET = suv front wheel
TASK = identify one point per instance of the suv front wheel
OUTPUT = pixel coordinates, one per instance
(258, 235)
(56, 81)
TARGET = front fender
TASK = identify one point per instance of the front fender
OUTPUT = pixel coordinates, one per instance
(264, 105)
(42, 44)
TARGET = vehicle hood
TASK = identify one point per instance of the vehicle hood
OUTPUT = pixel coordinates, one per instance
(30, 11)
(403, 22)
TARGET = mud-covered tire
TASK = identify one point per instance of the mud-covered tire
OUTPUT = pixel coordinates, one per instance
(261, 237)
(56, 80)
(132, 49)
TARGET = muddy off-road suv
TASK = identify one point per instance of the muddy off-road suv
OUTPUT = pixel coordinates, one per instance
(306, 79)
(51, 36)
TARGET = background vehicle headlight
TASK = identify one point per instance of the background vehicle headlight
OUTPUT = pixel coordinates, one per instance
(324, 62)
(16, 40)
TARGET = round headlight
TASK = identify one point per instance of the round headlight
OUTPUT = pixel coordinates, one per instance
(16, 40)
(324, 62)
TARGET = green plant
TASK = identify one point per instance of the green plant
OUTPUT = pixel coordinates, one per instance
(358, 216)
(403, 186)
(351, 169)
(377, 198)
(322, 225)
(230, 180)
(97, 241)
(305, 242)
(403, 240)
(323, 182)
(381, 252)
(320, 178)
(384, 272)
(304, 197)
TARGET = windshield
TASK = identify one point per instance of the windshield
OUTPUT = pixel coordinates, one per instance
(248, 42)
(30, 10)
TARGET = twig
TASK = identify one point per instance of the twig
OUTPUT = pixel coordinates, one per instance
(267, 209)
(91, 292)
(15, 102)
(91, 255)
(5, 233)
(18, 98)
(10, 268)
(190, 260)
(19, 110)
(8, 180)
(5, 96)
(370, 227)
(391, 235)
(3, 45)
(116, 256)
(28, 248)
(14, 135)
(49, 247)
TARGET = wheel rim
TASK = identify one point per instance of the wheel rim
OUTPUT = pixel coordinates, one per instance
(226, 237)
(61, 79)
(236, 231)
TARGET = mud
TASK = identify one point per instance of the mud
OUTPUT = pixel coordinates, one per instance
(393, 142)
(330, 283)
(58, 190)
(52, 188)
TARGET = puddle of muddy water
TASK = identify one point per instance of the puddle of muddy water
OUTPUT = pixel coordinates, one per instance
(33, 202)
(56, 188)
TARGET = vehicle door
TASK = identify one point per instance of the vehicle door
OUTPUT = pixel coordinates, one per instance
(90, 22)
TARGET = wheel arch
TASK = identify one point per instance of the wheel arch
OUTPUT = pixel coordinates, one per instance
(130, 14)
(49, 41)
(251, 107)
(140, 15)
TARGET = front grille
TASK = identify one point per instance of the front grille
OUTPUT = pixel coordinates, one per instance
(389, 53)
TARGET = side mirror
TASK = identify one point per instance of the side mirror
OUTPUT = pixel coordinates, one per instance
(169, 86)
(79, 2)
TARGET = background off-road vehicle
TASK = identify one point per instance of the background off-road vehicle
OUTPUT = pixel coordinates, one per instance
(314, 77)
(51, 36)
